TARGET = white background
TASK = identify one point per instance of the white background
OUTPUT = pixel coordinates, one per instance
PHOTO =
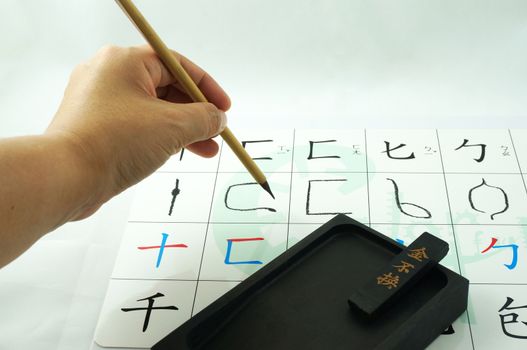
(292, 63)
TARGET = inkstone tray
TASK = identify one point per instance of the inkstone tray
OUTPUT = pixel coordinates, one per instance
(335, 289)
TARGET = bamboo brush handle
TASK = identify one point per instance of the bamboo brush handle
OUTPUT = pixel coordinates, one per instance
(177, 70)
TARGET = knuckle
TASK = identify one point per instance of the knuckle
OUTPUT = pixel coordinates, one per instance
(105, 56)
(117, 58)
(109, 50)
(79, 69)
(131, 52)
(115, 55)
(212, 117)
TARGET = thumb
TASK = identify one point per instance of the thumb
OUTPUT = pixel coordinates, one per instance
(195, 122)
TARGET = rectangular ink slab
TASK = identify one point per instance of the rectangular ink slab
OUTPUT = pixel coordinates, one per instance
(300, 300)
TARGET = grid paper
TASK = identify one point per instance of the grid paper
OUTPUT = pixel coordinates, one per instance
(198, 226)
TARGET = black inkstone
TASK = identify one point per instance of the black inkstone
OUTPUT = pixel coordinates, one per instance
(300, 299)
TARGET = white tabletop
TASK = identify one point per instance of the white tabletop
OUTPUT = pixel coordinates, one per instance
(296, 63)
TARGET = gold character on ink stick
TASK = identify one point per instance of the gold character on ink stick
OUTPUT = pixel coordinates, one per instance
(405, 267)
(418, 254)
(389, 280)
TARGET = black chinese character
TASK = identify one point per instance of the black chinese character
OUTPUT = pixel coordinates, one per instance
(511, 319)
(175, 192)
(388, 150)
(311, 143)
(244, 143)
(226, 199)
(498, 190)
(425, 212)
(483, 147)
(149, 308)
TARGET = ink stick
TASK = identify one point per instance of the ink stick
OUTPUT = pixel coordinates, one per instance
(398, 277)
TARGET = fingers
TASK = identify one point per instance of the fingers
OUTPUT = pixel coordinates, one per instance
(195, 122)
(163, 78)
(173, 94)
(208, 148)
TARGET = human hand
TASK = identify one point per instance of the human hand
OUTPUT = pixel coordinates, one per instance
(124, 114)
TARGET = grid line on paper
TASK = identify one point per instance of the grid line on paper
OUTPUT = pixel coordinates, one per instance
(321, 222)
(204, 222)
(185, 172)
(347, 172)
(206, 230)
(517, 160)
(174, 279)
(498, 284)
(452, 225)
(444, 224)
(367, 176)
(290, 190)
(235, 280)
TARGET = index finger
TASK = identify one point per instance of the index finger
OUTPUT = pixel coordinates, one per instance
(162, 77)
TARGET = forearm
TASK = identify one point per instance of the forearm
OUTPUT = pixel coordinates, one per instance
(43, 184)
(111, 131)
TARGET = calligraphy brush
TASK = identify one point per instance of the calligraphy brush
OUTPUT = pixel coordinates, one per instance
(189, 86)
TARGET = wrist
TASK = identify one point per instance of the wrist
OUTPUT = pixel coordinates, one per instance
(83, 177)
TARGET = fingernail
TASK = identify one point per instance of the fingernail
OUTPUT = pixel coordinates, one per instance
(223, 120)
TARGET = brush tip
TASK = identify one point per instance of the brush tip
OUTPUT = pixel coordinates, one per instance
(266, 187)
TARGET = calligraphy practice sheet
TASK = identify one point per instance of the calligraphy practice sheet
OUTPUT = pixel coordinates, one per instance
(199, 226)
